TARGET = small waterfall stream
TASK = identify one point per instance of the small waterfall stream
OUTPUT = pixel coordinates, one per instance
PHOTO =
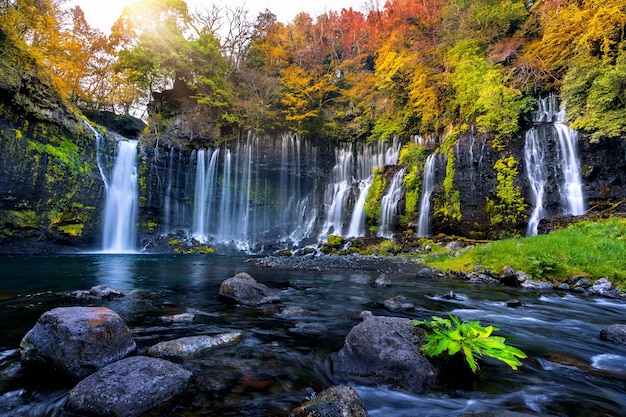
(537, 156)
(571, 189)
(423, 224)
(122, 200)
(389, 205)
(537, 176)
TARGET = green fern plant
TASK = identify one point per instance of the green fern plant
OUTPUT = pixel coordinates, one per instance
(470, 338)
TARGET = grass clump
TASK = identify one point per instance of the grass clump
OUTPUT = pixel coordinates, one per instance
(593, 248)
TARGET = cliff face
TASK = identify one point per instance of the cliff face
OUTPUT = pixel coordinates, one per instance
(49, 187)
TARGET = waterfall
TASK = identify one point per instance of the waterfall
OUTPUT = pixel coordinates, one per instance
(423, 224)
(537, 176)
(254, 193)
(389, 205)
(357, 222)
(354, 166)
(337, 192)
(537, 154)
(122, 199)
(571, 189)
(204, 195)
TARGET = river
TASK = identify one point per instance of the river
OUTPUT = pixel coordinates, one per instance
(283, 359)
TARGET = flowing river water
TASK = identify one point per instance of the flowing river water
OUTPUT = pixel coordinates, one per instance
(285, 358)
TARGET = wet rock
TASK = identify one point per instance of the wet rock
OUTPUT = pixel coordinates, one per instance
(398, 303)
(98, 291)
(531, 284)
(128, 387)
(582, 284)
(615, 333)
(384, 350)
(450, 295)
(382, 281)
(180, 317)
(244, 289)
(425, 272)
(603, 287)
(310, 329)
(291, 313)
(188, 347)
(507, 277)
(335, 401)
(76, 341)
(514, 303)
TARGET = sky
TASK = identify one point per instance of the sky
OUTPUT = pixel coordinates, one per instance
(101, 14)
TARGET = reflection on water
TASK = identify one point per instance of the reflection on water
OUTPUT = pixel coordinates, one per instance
(568, 367)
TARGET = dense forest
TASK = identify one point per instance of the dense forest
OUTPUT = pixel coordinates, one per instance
(428, 74)
(408, 67)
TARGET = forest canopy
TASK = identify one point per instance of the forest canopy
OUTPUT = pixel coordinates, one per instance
(407, 67)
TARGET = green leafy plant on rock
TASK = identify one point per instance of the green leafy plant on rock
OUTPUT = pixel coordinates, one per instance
(469, 338)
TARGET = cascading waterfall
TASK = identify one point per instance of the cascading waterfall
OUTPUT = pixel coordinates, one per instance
(254, 193)
(571, 189)
(534, 157)
(357, 221)
(389, 205)
(423, 224)
(121, 194)
(122, 200)
(353, 171)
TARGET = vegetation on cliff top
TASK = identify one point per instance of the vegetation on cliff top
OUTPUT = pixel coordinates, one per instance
(398, 68)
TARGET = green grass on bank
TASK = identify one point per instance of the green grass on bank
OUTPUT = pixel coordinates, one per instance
(595, 249)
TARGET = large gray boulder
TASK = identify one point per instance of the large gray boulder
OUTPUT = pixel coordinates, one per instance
(128, 387)
(385, 350)
(335, 401)
(615, 333)
(75, 341)
(191, 346)
(243, 289)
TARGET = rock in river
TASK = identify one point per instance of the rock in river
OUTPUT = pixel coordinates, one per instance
(335, 401)
(244, 289)
(75, 341)
(128, 387)
(385, 350)
(615, 333)
(188, 347)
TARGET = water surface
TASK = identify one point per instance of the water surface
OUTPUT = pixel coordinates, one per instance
(283, 359)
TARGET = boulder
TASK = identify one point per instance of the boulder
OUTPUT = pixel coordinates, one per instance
(128, 387)
(98, 291)
(244, 289)
(615, 333)
(382, 281)
(188, 347)
(335, 401)
(76, 341)
(384, 350)
(398, 303)
(604, 287)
